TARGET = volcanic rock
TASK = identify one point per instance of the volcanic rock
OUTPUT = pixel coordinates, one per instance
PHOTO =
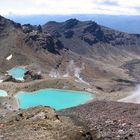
(40, 123)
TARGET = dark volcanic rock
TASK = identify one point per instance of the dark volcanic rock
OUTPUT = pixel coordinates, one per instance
(27, 28)
(69, 34)
(48, 44)
(29, 75)
(59, 45)
(43, 40)
(89, 39)
(93, 34)
(56, 34)
(129, 82)
(70, 23)
(91, 28)
(9, 78)
(34, 35)
(39, 28)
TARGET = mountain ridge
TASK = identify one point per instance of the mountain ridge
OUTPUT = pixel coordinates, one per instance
(92, 39)
(124, 23)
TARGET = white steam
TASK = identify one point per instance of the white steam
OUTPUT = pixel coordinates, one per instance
(54, 74)
(133, 98)
(75, 71)
(71, 70)
(66, 75)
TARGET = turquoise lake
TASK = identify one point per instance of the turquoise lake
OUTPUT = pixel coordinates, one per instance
(55, 98)
(3, 93)
(17, 73)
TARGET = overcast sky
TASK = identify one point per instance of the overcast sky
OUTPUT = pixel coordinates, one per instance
(33, 7)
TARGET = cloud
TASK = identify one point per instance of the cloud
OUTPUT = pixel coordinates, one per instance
(30, 7)
(109, 2)
(137, 8)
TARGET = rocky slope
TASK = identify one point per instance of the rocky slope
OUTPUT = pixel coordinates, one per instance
(27, 44)
(108, 120)
(40, 123)
(103, 46)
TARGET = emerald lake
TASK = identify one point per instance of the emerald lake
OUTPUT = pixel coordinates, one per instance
(55, 98)
(17, 73)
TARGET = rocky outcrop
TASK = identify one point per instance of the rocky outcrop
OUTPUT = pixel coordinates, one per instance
(30, 75)
(27, 28)
(40, 123)
(68, 34)
(93, 34)
(9, 78)
(34, 36)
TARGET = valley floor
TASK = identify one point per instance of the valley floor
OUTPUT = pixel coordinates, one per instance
(106, 90)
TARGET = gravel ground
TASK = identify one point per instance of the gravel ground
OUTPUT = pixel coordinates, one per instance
(108, 120)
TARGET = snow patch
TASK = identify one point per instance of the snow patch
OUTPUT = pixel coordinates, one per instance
(9, 57)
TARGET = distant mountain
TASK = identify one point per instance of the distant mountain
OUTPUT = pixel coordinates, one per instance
(124, 23)
(89, 38)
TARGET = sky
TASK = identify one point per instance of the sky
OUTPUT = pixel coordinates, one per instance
(64, 7)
